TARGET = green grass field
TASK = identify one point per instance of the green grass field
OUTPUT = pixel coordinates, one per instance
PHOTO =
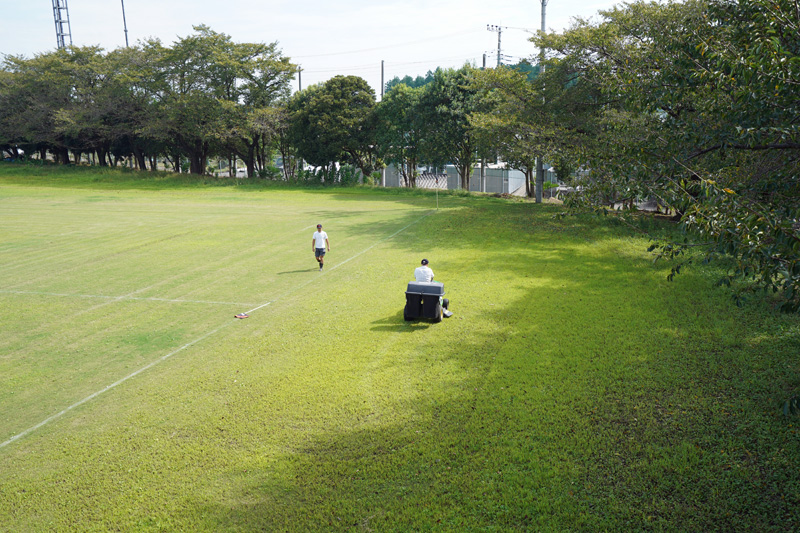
(574, 389)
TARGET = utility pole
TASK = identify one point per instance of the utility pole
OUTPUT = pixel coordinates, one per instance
(483, 159)
(539, 162)
(300, 164)
(383, 168)
(544, 29)
(124, 24)
(61, 15)
(499, 30)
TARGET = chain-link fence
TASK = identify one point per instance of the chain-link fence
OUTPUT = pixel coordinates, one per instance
(428, 180)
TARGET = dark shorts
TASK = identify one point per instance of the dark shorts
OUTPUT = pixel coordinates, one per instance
(319, 252)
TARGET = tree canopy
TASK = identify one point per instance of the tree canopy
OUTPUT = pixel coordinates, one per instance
(414, 83)
(192, 99)
(700, 110)
(400, 129)
(334, 122)
(692, 104)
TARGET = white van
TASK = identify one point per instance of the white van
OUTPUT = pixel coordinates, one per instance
(241, 172)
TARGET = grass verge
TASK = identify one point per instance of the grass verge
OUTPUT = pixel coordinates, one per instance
(574, 389)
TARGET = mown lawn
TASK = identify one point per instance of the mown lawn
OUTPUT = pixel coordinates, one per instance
(573, 389)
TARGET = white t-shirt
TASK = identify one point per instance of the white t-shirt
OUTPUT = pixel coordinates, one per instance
(319, 239)
(423, 273)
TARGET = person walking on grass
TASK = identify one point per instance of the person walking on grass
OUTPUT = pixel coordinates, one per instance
(319, 241)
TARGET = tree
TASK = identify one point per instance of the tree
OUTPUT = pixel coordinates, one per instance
(201, 96)
(210, 85)
(188, 96)
(275, 124)
(514, 121)
(400, 129)
(108, 106)
(446, 105)
(704, 118)
(33, 90)
(261, 77)
(408, 81)
(335, 122)
(307, 133)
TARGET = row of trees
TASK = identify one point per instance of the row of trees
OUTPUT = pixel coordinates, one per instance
(695, 104)
(204, 95)
(457, 117)
(207, 97)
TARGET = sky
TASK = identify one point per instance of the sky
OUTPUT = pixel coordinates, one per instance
(349, 37)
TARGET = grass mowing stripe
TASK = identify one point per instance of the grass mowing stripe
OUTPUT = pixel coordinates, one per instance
(303, 285)
(76, 262)
(107, 297)
(183, 274)
(196, 341)
(63, 248)
(80, 256)
(109, 387)
(129, 296)
(62, 251)
(81, 261)
(573, 390)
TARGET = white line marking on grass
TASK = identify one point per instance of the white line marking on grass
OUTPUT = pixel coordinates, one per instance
(109, 387)
(381, 241)
(259, 307)
(197, 340)
(119, 298)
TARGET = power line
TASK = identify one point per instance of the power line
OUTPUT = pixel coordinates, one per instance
(454, 58)
(398, 45)
(392, 64)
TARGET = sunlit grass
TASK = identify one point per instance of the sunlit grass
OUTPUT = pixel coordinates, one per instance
(574, 389)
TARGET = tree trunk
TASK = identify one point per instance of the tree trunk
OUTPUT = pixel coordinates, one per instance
(197, 158)
(139, 155)
(288, 162)
(250, 162)
(539, 180)
(529, 188)
(405, 173)
(204, 158)
(464, 172)
(412, 169)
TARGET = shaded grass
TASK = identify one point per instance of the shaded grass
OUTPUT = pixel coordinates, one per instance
(574, 389)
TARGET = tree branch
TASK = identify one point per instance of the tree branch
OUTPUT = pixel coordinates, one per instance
(771, 146)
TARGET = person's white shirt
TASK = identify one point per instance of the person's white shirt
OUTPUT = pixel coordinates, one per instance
(320, 237)
(423, 273)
